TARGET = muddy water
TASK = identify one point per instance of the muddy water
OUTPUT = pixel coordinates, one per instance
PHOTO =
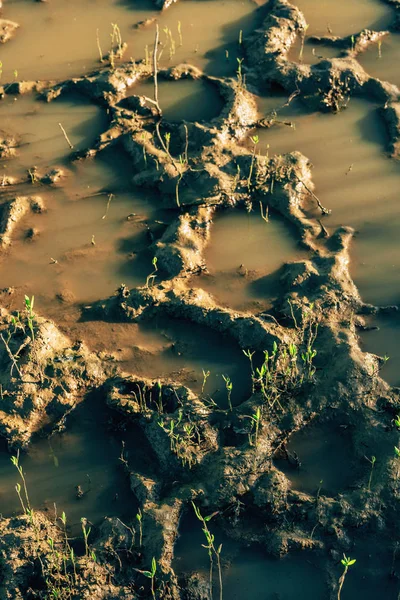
(54, 467)
(73, 25)
(354, 178)
(184, 100)
(322, 450)
(244, 257)
(342, 17)
(249, 572)
(309, 53)
(381, 62)
(84, 243)
(385, 342)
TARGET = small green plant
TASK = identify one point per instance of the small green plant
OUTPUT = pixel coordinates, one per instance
(151, 575)
(240, 37)
(379, 48)
(372, 462)
(250, 355)
(15, 462)
(229, 388)
(255, 139)
(346, 562)
(139, 518)
(397, 456)
(239, 72)
(29, 303)
(213, 551)
(396, 422)
(86, 532)
(150, 278)
(206, 375)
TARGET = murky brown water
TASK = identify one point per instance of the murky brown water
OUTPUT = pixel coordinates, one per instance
(83, 247)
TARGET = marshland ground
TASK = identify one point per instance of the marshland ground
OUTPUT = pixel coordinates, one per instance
(198, 299)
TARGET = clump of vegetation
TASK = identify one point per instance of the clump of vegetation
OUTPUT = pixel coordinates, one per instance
(183, 436)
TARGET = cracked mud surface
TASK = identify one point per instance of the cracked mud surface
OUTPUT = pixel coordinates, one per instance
(213, 264)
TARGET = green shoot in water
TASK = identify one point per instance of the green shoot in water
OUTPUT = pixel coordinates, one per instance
(206, 375)
(150, 278)
(229, 387)
(213, 552)
(346, 562)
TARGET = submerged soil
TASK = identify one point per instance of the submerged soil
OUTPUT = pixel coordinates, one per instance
(198, 303)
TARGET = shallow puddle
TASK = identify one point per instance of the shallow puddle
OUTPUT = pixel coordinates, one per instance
(187, 350)
(342, 18)
(86, 455)
(381, 61)
(310, 53)
(354, 178)
(70, 46)
(385, 342)
(249, 572)
(184, 100)
(243, 257)
(324, 452)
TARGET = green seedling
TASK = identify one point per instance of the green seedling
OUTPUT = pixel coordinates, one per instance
(250, 355)
(379, 48)
(396, 421)
(15, 462)
(239, 72)
(397, 455)
(229, 388)
(150, 278)
(206, 375)
(346, 562)
(139, 518)
(255, 139)
(240, 37)
(86, 532)
(151, 575)
(213, 552)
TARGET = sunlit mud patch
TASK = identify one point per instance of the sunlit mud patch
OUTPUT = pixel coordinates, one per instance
(77, 471)
(247, 572)
(185, 99)
(344, 18)
(244, 250)
(383, 340)
(317, 459)
(381, 60)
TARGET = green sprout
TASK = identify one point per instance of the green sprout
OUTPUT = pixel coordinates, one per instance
(210, 547)
(229, 387)
(346, 562)
(151, 575)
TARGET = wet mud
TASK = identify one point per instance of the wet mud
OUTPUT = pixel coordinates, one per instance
(198, 305)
